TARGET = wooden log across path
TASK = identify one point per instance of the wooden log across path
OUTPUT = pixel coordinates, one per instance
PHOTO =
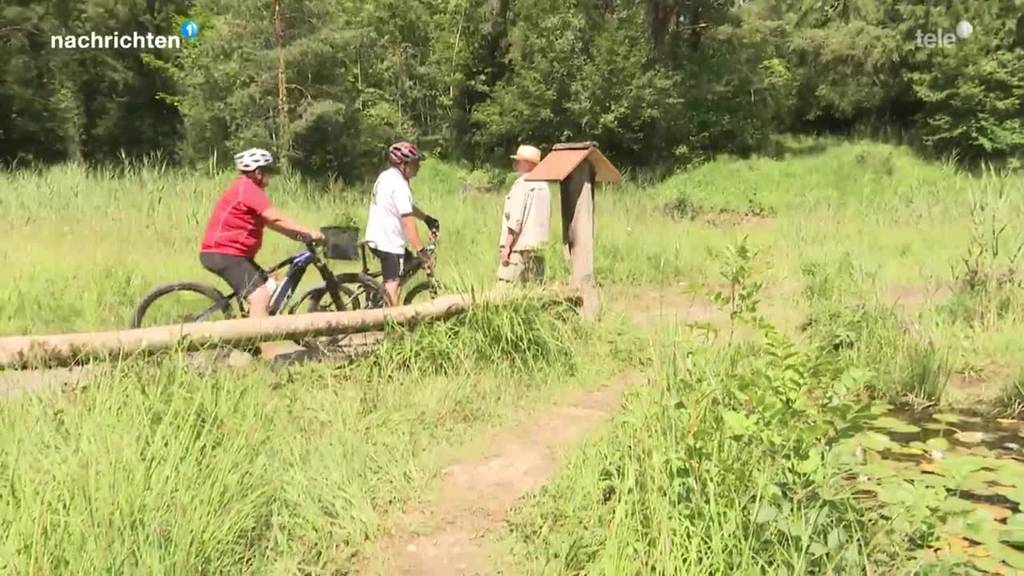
(22, 352)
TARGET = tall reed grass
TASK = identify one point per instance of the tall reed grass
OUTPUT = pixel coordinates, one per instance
(172, 468)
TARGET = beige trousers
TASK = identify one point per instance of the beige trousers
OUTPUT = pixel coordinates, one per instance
(525, 266)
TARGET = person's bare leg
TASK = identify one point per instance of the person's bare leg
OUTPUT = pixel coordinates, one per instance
(392, 291)
(259, 302)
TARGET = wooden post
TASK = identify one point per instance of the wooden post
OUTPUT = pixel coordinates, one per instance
(577, 166)
(570, 191)
(578, 233)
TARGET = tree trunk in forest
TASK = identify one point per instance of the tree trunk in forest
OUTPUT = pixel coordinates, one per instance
(283, 135)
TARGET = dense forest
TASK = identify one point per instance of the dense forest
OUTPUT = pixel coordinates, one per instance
(327, 83)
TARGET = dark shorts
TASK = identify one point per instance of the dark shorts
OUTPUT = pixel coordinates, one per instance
(391, 265)
(242, 274)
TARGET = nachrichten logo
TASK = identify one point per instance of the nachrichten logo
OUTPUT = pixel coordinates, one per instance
(131, 41)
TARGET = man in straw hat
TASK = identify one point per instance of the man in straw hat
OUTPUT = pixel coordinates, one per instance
(525, 222)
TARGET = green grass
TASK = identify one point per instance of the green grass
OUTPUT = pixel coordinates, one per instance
(720, 467)
(164, 468)
(90, 244)
(100, 241)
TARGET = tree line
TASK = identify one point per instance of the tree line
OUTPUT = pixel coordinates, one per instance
(328, 83)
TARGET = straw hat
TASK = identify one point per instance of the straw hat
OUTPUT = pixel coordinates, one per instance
(528, 153)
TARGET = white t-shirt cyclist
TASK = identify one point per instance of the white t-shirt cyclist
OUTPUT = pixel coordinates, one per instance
(392, 199)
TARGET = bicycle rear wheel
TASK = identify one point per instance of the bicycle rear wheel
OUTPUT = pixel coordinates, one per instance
(182, 303)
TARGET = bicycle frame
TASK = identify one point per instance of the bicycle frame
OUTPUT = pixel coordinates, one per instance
(408, 273)
(297, 266)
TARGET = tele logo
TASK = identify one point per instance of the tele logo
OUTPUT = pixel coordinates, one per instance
(945, 38)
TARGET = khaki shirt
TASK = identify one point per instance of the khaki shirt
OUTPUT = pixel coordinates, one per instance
(528, 212)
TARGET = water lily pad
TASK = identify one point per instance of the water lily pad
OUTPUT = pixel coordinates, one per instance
(957, 466)
(934, 426)
(846, 453)
(956, 506)
(1012, 534)
(876, 441)
(989, 565)
(995, 512)
(883, 469)
(953, 543)
(879, 408)
(970, 437)
(980, 527)
(978, 491)
(894, 425)
(983, 477)
(937, 444)
(1016, 495)
(1007, 555)
(1010, 471)
(984, 452)
(1002, 489)
(946, 417)
(979, 552)
(898, 491)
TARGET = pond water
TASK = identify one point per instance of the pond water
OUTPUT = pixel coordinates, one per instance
(963, 473)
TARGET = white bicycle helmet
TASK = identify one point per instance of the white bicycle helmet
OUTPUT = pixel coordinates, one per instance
(252, 159)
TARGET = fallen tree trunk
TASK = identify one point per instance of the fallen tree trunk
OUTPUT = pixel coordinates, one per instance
(70, 349)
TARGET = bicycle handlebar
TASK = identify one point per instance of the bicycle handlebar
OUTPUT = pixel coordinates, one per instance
(431, 246)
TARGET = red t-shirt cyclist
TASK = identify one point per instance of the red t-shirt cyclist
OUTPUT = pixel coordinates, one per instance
(234, 232)
(236, 225)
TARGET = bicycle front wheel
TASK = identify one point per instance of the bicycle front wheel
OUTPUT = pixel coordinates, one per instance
(358, 292)
(320, 300)
(182, 303)
(422, 292)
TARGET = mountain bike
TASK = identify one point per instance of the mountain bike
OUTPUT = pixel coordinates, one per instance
(186, 302)
(365, 290)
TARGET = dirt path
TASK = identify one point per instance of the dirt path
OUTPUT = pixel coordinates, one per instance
(453, 534)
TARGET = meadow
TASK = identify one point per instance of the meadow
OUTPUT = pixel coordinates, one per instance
(842, 275)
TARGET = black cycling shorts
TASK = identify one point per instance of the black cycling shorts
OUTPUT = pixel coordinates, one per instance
(242, 274)
(391, 265)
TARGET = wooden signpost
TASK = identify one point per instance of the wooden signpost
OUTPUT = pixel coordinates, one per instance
(577, 166)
